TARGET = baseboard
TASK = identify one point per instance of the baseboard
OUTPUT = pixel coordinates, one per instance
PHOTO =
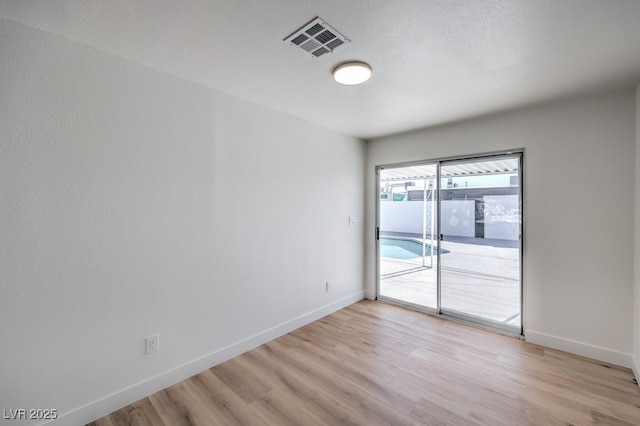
(635, 369)
(579, 348)
(370, 295)
(110, 403)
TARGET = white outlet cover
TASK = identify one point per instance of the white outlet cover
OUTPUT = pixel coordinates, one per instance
(152, 343)
(352, 221)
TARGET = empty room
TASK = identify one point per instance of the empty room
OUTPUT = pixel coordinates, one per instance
(417, 212)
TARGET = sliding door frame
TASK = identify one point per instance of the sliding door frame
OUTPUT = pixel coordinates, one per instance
(414, 306)
(453, 315)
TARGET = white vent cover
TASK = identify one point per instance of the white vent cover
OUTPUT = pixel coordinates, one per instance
(317, 38)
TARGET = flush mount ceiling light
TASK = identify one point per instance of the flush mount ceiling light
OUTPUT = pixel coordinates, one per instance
(351, 73)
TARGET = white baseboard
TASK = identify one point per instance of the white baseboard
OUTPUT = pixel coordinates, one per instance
(579, 348)
(110, 403)
(370, 295)
(635, 369)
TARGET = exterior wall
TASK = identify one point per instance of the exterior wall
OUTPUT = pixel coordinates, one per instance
(458, 217)
(403, 216)
(502, 217)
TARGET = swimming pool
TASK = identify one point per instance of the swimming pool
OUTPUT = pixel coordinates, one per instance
(405, 249)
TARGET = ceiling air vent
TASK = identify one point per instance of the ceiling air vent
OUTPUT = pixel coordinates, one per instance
(317, 38)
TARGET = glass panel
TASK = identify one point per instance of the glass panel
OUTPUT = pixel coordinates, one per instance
(480, 227)
(407, 246)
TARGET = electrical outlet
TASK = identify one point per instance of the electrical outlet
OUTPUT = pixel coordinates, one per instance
(153, 343)
(352, 221)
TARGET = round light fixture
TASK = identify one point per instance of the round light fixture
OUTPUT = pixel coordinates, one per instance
(351, 73)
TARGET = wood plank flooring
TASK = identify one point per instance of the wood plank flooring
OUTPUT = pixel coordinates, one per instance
(378, 364)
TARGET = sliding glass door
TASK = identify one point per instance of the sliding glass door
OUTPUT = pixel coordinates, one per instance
(408, 235)
(449, 238)
(480, 211)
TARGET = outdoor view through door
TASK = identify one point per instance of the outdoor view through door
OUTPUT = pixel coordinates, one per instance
(449, 238)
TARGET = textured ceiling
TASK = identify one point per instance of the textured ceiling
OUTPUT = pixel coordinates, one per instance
(434, 61)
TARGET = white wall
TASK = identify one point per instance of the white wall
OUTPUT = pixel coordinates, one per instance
(458, 218)
(501, 217)
(636, 294)
(579, 157)
(404, 216)
(134, 203)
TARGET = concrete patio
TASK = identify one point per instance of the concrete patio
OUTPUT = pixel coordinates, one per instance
(480, 277)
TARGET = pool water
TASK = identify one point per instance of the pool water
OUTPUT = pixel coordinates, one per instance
(396, 248)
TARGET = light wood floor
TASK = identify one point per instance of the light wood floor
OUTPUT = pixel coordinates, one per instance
(376, 364)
